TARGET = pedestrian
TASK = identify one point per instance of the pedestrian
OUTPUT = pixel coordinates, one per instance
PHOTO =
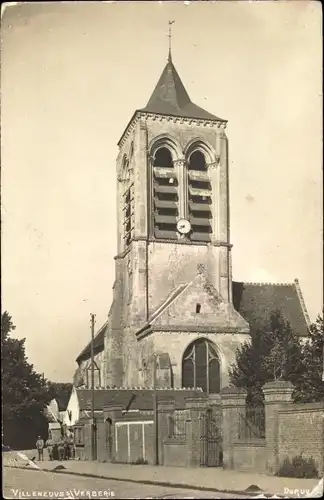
(50, 447)
(66, 448)
(71, 447)
(60, 448)
(40, 448)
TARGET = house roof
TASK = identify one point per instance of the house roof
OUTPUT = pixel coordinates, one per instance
(256, 301)
(171, 98)
(143, 399)
(98, 344)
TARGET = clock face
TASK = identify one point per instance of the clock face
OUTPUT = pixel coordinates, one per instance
(183, 226)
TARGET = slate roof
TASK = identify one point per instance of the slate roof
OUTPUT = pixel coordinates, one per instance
(171, 98)
(143, 397)
(256, 301)
(98, 344)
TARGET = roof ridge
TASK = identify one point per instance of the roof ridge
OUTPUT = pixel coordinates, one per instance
(302, 301)
(88, 345)
(260, 283)
(172, 296)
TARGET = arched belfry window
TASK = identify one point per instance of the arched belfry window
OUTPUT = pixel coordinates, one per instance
(165, 195)
(199, 197)
(163, 158)
(201, 367)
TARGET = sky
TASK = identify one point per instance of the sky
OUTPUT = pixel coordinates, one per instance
(72, 76)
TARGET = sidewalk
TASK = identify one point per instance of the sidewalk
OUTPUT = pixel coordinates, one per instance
(215, 479)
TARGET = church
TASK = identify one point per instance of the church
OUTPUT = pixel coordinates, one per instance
(177, 318)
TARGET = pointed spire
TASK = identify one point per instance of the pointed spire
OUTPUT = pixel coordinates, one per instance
(170, 96)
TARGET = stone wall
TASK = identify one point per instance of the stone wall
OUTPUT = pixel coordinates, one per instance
(175, 453)
(250, 456)
(290, 430)
(301, 432)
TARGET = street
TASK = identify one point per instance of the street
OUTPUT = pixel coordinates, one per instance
(19, 483)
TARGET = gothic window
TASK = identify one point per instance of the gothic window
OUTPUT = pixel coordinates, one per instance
(165, 195)
(199, 198)
(200, 367)
(128, 214)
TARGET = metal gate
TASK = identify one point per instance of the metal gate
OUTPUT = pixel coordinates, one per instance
(211, 453)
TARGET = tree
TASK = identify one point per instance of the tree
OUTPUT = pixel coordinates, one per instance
(61, 389)
(274, 353)
(25, 393)
(311, 384)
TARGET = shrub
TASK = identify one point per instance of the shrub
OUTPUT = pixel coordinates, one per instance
(298, 467)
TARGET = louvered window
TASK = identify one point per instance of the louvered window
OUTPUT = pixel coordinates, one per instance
(199, 198)
(165, 195)
(128, 214)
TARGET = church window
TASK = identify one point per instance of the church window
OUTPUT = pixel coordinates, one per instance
(128, 214)
(201, 367)
(165, 195)
(198, 307)
(199, 198)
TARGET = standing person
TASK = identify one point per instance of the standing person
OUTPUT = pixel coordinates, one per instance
(40, 448)
(66, 447)
(71, 446)
(50, 447)
(60, 449)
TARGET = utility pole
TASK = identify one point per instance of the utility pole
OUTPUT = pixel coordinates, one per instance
(155, 413)
(93, 423)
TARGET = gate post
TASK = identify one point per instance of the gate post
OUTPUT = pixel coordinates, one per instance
(198, 408)
(166, 409)
(276, 394)
(233, 405)
(112, 413)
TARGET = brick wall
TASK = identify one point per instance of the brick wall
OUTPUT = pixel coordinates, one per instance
(291, 430)
(301, 431)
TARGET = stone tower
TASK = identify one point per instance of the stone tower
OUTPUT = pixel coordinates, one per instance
(172, 296)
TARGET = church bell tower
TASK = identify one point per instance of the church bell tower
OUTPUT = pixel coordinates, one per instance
(173, 225)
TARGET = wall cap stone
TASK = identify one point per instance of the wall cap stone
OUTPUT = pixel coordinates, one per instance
(234, 391)
(196, 402)
(276, 385)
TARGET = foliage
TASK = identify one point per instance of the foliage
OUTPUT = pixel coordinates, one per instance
(310, 384)
(299, 467)
(60, 390)
(273, 353)
(25, 392)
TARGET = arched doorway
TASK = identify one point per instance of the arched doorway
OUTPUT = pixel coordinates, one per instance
(201, 367)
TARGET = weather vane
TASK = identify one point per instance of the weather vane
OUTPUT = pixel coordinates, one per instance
(170, 37)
